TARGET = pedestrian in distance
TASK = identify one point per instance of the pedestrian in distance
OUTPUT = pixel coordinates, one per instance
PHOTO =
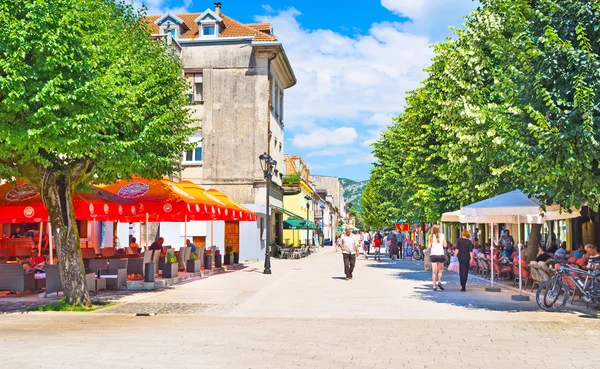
(435, 243)
(349, 245)
(393, 249)
(365, 240)
(464, 252)
(377, 245)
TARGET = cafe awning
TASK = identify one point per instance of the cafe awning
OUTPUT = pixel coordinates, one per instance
(290, 213)
(21, 202)
(298, 224)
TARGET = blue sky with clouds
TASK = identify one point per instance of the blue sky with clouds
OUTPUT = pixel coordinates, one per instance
(354, 61)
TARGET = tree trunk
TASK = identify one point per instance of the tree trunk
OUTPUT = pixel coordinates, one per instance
(532, 245)
(57, 192)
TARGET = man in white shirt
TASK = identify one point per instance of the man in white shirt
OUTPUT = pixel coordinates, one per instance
(349, 245)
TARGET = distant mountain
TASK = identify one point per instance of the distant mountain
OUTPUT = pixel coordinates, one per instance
(353, 192)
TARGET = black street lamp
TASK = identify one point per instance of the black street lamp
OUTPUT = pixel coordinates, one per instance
(308, 199)
(268, 165)
(322, 224)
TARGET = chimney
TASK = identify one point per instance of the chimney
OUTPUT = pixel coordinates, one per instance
(218, 8)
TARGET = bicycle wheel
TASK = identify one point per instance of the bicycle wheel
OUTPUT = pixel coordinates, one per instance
(596, 294)
(549, 297)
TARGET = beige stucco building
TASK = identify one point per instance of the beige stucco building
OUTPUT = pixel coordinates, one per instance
(238, 74)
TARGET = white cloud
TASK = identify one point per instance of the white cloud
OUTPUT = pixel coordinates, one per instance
(333, 151)
(342, 77)
(380, 119)
(360, 159)
(326, 137)
(162, 6)
(431, 17)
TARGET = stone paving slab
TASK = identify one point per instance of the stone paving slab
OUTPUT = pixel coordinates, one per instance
(305, 316)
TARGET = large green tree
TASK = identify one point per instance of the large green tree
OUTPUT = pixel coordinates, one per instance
(85, 94)
(511, 102)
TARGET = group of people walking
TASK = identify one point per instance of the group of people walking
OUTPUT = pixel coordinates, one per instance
(351, 245)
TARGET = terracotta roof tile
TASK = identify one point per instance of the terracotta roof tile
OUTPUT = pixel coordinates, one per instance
(233, 28)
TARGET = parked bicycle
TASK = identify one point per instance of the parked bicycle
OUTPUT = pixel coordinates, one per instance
(417, 252)
(553, 294)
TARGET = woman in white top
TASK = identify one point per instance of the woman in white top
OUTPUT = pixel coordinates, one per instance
(436, 242)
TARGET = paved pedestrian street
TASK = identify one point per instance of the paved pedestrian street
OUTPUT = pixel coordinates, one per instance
(305, 315)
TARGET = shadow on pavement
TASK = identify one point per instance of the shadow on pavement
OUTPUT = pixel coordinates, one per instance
(475, 298)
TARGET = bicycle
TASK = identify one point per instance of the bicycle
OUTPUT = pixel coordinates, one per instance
(417, 252)
(549, 292)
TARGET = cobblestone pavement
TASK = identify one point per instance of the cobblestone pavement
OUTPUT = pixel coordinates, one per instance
(306, 316)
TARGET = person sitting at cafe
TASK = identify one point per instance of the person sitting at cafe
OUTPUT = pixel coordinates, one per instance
(579, 252)
(562, 250)
(17, 233)
(134, 243)
(189, 243)
(157, 245)
(543, 255)
(592, 256)
(34, 262)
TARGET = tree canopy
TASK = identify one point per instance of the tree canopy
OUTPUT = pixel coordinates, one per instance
(510, 102)
(85, 95)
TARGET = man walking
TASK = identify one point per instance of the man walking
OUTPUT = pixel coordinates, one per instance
(349, 246)
(393, 243)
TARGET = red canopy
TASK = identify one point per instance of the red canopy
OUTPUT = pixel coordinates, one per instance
(239, 211)
(22, 203)
(161, 200)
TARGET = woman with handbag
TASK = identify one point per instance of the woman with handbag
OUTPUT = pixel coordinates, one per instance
(464, 252)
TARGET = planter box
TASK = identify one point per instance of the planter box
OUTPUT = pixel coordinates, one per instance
(218, 261)
(207, 262)
(170, 270)
(228, 259)
(149, 272)
(236, 257)
(193, 266)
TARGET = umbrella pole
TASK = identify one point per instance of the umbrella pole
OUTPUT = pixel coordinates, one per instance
(212, 233)
(185, 231)
(40, 240)
(147, 245)
(492, 288)
(520, 296)
(50, 243)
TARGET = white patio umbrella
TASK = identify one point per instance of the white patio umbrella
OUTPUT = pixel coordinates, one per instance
(512, 207)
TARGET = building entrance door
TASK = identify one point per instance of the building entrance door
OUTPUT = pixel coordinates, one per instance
(232, 235)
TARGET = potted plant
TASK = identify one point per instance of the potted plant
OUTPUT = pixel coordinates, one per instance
(218, 260)
(228, 255)
(193, 264)
(208, 259)
(236, 257)
(170, 267)
(149, 271)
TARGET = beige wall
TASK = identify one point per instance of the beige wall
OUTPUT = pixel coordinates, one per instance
(234, 120)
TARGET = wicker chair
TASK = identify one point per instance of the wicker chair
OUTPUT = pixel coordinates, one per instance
(108, 252)
(116, 274)
(97, 264)
(535, 275)
(183, 257)
(13, 278)
(5, 254)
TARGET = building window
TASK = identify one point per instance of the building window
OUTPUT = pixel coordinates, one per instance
(208, 30)
(196, 96)
(281, 104)
(194, 156)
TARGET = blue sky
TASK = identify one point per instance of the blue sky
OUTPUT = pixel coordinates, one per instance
(354, 61)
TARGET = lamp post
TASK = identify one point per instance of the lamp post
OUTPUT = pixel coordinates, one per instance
(268, 165)
(308, 198)
(322, 224)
